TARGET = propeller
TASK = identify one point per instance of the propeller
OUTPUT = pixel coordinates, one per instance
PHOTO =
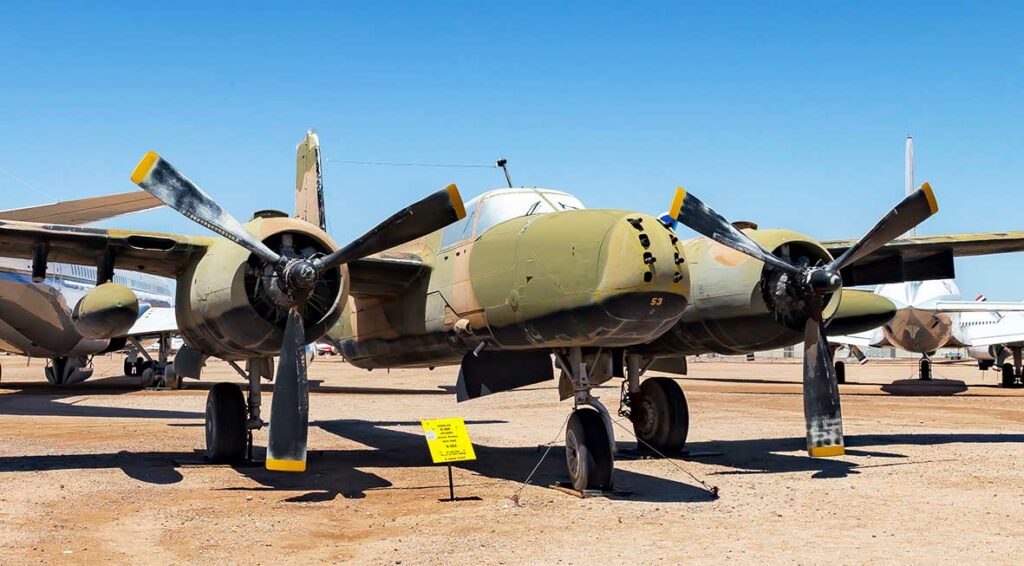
(811, 285)
(296, 278)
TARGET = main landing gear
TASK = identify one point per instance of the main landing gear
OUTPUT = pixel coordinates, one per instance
(656, 407)
(152, 373)
(1013, 376)
(230, 418)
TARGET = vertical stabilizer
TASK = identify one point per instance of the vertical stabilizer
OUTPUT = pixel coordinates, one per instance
(309, 183)
(908, 174)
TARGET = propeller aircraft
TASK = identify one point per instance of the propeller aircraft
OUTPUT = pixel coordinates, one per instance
(262, 289)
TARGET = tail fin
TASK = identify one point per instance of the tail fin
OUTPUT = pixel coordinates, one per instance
(309, 183)
(86, 210)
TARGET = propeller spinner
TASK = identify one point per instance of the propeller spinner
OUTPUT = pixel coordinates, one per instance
(289, 416)
(813, 284)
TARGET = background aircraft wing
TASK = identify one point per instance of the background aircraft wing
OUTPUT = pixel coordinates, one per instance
(150, 252)
(86, 210)
(1009, 330)
(871, 338)
(155, 321)
(978, 306)
(921, 258)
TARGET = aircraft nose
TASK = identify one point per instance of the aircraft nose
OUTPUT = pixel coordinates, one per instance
(642, 272)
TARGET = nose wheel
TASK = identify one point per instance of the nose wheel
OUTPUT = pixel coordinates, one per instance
(1013, 374)
(588, 456)
(925, 373)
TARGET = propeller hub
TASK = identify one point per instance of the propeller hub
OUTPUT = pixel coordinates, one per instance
(824, 280)
(300, 275)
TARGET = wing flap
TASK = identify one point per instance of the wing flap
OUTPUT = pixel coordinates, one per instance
(385, 275)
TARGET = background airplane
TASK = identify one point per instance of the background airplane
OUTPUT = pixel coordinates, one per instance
(931, 315)
(41, 308)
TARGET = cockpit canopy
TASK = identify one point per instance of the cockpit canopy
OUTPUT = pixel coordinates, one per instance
(497, 206)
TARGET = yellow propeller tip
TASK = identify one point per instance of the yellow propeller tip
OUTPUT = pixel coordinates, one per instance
(826, 451)
(456, 198)
(144, 167)
(933, 205)
(286, 465)
(677, 203)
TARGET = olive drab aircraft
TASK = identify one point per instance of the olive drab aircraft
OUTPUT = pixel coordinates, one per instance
(263, 289)
(530, 274)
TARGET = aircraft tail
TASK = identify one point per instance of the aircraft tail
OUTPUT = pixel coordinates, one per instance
(309, 184)
(86, 210)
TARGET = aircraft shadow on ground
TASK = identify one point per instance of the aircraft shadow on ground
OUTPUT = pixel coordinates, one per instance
(770, 455)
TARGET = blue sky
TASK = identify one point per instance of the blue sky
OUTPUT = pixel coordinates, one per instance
(789, 114)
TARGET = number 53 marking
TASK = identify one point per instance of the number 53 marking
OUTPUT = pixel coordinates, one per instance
(656, 301)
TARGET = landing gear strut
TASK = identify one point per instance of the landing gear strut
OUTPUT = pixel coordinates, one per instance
(1013, 374)
(230, 418)
(589, 440)
(925, 372)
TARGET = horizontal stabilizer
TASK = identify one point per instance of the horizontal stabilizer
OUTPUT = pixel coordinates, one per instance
(84, 211)
(492, 372)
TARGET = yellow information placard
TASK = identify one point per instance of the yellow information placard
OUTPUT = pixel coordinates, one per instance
(448, 440)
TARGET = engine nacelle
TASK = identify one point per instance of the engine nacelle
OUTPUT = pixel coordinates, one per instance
(108, 310)
(732, 307)
(225, 301)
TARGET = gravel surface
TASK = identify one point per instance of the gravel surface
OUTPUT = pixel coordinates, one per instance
(105, 471)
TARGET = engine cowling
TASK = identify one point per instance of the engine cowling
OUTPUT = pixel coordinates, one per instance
(733, 307)
(108, 310)
(228, 304)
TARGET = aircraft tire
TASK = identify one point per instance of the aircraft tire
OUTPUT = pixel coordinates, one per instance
(1008, 377)
(148, 378)
(171, 379)
(660, 415)
(129, 368)
(225, 424)
(588, 453)
(840, 372)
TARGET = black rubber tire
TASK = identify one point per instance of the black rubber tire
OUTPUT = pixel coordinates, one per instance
(840, 372)
(926, 370)
(129, 368)
(225, 424)
(1008, 378)
(671, 425)
(985, 365)
(588, 452)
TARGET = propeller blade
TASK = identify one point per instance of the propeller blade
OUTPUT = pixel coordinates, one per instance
(911, 211)
(822, 415)
(419, 219)
(702, 219)
(289, 409)
(160, 179)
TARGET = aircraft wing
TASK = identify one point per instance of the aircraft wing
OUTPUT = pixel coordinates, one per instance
(86, 210)
(150, 252)
(978, 306)
(154, 321)
(922, 258)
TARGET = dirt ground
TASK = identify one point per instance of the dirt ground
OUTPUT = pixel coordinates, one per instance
(104, 471)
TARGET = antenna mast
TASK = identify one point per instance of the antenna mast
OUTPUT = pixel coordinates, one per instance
(908, 174)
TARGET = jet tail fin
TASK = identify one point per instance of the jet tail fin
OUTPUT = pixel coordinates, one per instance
(85, 210)
(309, 184)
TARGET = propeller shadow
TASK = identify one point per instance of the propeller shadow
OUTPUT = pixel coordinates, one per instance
(785, 455)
